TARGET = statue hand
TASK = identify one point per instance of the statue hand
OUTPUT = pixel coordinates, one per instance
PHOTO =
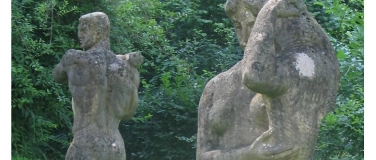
(133, 58)
(288, 8)
(262, 149)
(281, 8)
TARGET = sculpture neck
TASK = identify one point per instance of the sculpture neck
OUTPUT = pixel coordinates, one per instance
(103, 44)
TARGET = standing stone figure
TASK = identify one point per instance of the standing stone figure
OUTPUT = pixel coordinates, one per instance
(291, 65)
(104, 91)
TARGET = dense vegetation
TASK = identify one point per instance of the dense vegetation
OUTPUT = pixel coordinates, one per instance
(185, 43)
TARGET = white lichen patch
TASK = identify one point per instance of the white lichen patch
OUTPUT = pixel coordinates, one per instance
(114, 67)
(260, 36)
(215, 79)
(305, 65)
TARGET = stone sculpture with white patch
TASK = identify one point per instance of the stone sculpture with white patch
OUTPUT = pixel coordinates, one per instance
(305, 65)
(292, 72)
(104, 91)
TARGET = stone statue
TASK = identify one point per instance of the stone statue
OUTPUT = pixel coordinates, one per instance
(104, 91)
(226, 121)
(291, 67)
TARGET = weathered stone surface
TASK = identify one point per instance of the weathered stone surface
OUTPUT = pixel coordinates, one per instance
(292, 72)
(104, 91)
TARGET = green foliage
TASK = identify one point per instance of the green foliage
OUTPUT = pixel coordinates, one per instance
(184, 43)
(40, 112)
(342, 132)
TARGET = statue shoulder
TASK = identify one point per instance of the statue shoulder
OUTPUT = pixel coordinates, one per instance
(71, 56)
(231, 75)
(71, 52)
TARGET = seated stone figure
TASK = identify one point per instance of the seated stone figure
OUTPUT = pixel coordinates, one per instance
(291, 66)
(226, 121)
(104, 91)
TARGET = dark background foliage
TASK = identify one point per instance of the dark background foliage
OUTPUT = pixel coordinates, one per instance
(185, 43)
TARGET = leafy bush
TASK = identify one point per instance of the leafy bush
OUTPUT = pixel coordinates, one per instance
(41, 116)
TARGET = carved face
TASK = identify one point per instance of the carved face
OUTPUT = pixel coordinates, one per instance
(243, 21)
(243, 15)
(87, 36)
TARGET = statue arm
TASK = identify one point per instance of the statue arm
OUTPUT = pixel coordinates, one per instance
(131, 110)
(260, 71)
(59, 73)
(134, 59)
(204, 139)
(251, 152)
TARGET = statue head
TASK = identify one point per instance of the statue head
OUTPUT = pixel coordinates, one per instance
(243, 15)
(93, 29)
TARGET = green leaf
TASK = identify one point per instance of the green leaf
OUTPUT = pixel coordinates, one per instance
(341, 54)
(319, 4)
